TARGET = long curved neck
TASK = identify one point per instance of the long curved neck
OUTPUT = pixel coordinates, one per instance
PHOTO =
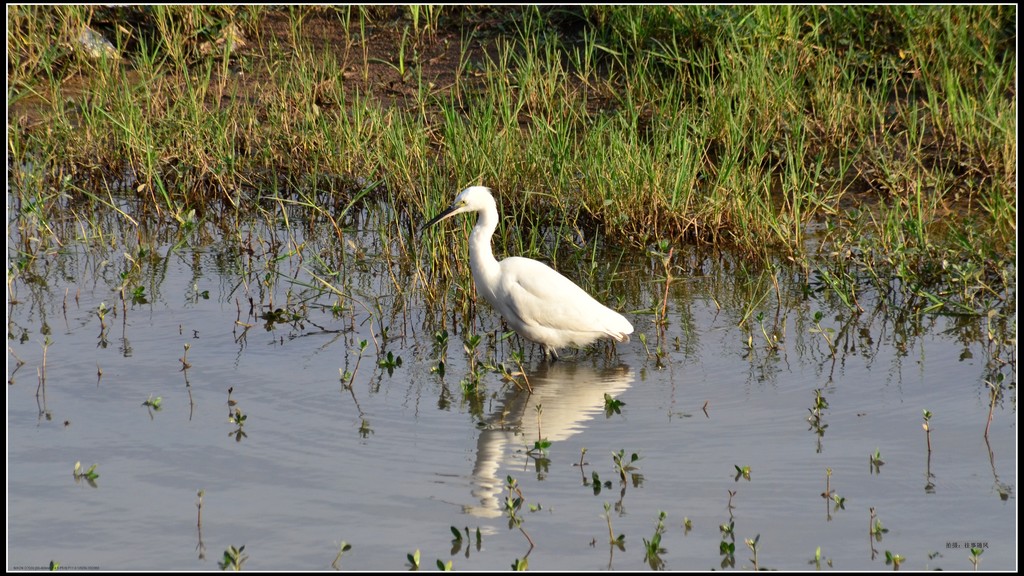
(481, 258)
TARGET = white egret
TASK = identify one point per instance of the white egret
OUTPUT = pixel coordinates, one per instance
(538, 303)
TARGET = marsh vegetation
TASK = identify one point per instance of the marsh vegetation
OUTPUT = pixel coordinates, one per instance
(808, 213)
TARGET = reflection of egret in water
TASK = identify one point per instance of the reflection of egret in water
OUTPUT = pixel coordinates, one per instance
(569, 394)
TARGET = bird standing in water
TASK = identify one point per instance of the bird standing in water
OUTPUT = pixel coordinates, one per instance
(538, 303)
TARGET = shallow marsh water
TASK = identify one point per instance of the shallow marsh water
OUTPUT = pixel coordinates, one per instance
(390, 464)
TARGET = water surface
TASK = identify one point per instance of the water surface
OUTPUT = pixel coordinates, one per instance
(391, 463)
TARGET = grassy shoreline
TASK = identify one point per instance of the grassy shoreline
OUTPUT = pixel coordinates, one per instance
(864, 144)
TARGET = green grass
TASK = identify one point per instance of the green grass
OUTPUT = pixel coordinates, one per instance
(870, 142)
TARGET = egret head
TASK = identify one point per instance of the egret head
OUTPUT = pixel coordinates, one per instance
(472, 199)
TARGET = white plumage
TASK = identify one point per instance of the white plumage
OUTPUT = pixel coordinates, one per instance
(537, 302)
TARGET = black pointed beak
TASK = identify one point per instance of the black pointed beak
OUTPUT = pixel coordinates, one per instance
(438, 218)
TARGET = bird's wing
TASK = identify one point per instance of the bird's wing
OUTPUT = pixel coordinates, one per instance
(539, 295)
